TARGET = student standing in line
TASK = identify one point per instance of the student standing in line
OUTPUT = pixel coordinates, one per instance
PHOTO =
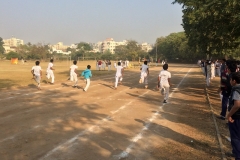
(50, 71)
(208, 72)
(225, 87)
(37, 73)
(144, 74)
(73, 73)
(119, 74)
(234, 115)
(87, 74)
(164, 80)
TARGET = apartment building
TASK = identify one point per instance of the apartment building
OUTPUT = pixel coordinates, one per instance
(110, 45)
(146, 47)
(11, 44)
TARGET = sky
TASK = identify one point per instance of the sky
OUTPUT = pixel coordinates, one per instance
(75, 21)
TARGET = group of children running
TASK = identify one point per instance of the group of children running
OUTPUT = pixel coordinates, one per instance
(163, 77)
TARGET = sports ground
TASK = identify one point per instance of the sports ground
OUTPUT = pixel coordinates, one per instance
(64, 123)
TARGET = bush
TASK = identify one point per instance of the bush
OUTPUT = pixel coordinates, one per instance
(12, 55)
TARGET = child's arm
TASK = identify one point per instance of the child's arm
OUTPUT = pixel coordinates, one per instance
(82, 74)
(234, 109)
(32, 71)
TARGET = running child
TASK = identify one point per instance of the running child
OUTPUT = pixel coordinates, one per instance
(50, 69)
(144, 74)
(87, 74)
(164, 80)
(119, 75)
(37, 73)
(73, 73)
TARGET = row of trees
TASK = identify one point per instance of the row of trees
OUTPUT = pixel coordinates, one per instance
(212, 26)
(131, 51)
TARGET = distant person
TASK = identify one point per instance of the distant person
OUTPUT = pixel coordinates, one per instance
(144, 74)
(87, 74)
(99, 64)
(208, 72)
(109, 65)
(73, 73)
(164, 80)
(50, 69)
(119, 75)
(37, 73)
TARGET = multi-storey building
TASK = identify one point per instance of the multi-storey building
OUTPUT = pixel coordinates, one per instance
(11, 44)
(110, 45)
(146, 47)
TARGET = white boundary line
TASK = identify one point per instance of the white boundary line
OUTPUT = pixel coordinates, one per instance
(69, 142)
(139, 136)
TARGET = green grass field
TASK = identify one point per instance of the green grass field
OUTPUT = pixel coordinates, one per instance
(19, 75)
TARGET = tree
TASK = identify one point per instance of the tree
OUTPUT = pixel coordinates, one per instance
(2, 50)
(12, 55)
(211, 25)
(84, 47)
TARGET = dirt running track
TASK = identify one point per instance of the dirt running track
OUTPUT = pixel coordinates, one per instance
(65, 123)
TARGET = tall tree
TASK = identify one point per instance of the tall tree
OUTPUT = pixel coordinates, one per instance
(211, 25)
(2, 50)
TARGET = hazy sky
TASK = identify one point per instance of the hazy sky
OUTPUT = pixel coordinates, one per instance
(74, 21)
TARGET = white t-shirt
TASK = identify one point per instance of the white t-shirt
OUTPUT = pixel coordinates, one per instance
(119, 70)
(164, 75)
(73, 67)
(49, 66)
(36, 70)
(144, 68)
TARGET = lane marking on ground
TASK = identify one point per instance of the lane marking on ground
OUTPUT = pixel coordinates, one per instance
(69, 142)
(52, 89)
(139, 136)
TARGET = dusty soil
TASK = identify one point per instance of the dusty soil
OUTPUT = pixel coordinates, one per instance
(64, 123)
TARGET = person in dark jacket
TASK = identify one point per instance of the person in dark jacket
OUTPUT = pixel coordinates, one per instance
(234, 115)
(226, 87)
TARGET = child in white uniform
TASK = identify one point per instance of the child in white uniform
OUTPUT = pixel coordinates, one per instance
(37, 73)
(144, 74)
(73, 73)
(50, 71)
(164, 80)
(119, 74)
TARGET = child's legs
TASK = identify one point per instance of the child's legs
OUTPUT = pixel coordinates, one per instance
(146, 80)
(52, 75)
(87, 84)
(75, 79)
(48, 75)
(166, 91)
(38, 80)
(116, 81)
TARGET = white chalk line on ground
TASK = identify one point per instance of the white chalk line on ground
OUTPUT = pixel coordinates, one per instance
(47, 86)
(69, 142)
(73, 90)
(28, 94)
(68, 83)
(139, 136)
